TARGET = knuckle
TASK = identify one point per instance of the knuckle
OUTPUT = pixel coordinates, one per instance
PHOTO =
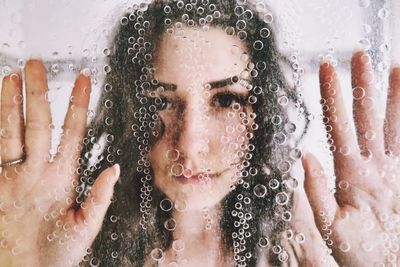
(73, 133)
(7, 135)
(39, 93)
(38, 124)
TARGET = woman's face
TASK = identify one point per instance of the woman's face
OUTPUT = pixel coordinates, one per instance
(203, 87)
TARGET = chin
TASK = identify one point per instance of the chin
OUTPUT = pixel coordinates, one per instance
(194, 199)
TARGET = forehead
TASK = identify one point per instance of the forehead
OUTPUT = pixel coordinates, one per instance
(199, 54)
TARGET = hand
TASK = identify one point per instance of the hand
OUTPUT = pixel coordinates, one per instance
(361, 221)
(304, 242)
(38, 224)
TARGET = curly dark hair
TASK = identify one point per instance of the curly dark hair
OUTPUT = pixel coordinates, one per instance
(134, 224)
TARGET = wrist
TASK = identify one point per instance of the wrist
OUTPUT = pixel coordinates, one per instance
(7, 259)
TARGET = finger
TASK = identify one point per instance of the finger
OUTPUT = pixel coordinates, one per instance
(38, 114)
(369, 126)
(336, 120)
(322, 201)
(12, 119)
(392, 121)
(95, 207)
(75, 123)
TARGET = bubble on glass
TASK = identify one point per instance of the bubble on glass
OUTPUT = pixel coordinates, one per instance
(290, 127)
(180, 205)
(94, 262)
(21, 63)
(230, 31)
(287, 216)
(242, 35)
(300, 238)
(177, 169)
(282, 198)
(178, 245)
(265, 33)
(366, 28)
(344, 247)
(157, 254)
(166, 204)
(107, 69)
(260, 190)
(276, 249)
(124, 21)
(365, 44)
(241, 25)
(292, 183)
(358, 93)
(276, 120)
(283, 256)
(284, 166)
(258, 45)
(86, 71)
(383, 13)
(170, 224)
(295, 154)
(370, 135)
(263, 242)
(364, 3)
(382, 66)
(283, 100)
(268, 18)
(172, 154)
(368, 103)
(343, 185)
(106, 52)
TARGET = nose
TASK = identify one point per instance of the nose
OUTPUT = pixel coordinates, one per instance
(192, 141)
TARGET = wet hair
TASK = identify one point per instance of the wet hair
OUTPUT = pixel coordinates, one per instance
(257, 208)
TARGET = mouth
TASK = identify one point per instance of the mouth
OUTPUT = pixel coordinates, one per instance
(197, 178)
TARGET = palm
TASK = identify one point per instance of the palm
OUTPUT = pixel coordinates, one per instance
(360, 221)
(38, 221)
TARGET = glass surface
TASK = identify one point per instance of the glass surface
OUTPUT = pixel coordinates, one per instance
(199, 133)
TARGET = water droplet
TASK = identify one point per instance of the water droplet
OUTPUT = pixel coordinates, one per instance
(263, 242)
(260, 190)
(358, 93)
(157, 254)
(345, 247)
(170, 224)
(364, 3)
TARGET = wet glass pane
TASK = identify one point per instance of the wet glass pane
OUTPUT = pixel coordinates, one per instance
(199, 133)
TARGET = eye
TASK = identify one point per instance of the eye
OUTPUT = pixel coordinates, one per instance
(162, 103)
(226, 100)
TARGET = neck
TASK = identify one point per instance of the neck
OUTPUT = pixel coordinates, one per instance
(201, 235)
(198, 224)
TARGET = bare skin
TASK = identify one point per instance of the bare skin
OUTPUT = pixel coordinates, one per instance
(38, 226)
(36, 195)
(359, 221)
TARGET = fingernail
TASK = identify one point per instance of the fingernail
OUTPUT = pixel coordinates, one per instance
(117, 170)
(14, 78)
(395, 65)
(358, 49)
(304, 152)
(86, 72)
(324, 63)
(36, 56)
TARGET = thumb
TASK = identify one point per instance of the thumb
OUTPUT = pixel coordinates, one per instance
(322, 201)
(92, 212)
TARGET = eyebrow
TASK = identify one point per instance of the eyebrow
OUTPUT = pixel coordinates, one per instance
(212, 85)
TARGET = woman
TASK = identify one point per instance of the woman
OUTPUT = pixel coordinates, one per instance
(194, 111)
(235, 63)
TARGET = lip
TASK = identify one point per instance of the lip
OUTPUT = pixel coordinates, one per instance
(197, 178)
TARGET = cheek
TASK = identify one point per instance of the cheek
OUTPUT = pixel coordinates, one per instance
(229, 138)
(157, 157)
